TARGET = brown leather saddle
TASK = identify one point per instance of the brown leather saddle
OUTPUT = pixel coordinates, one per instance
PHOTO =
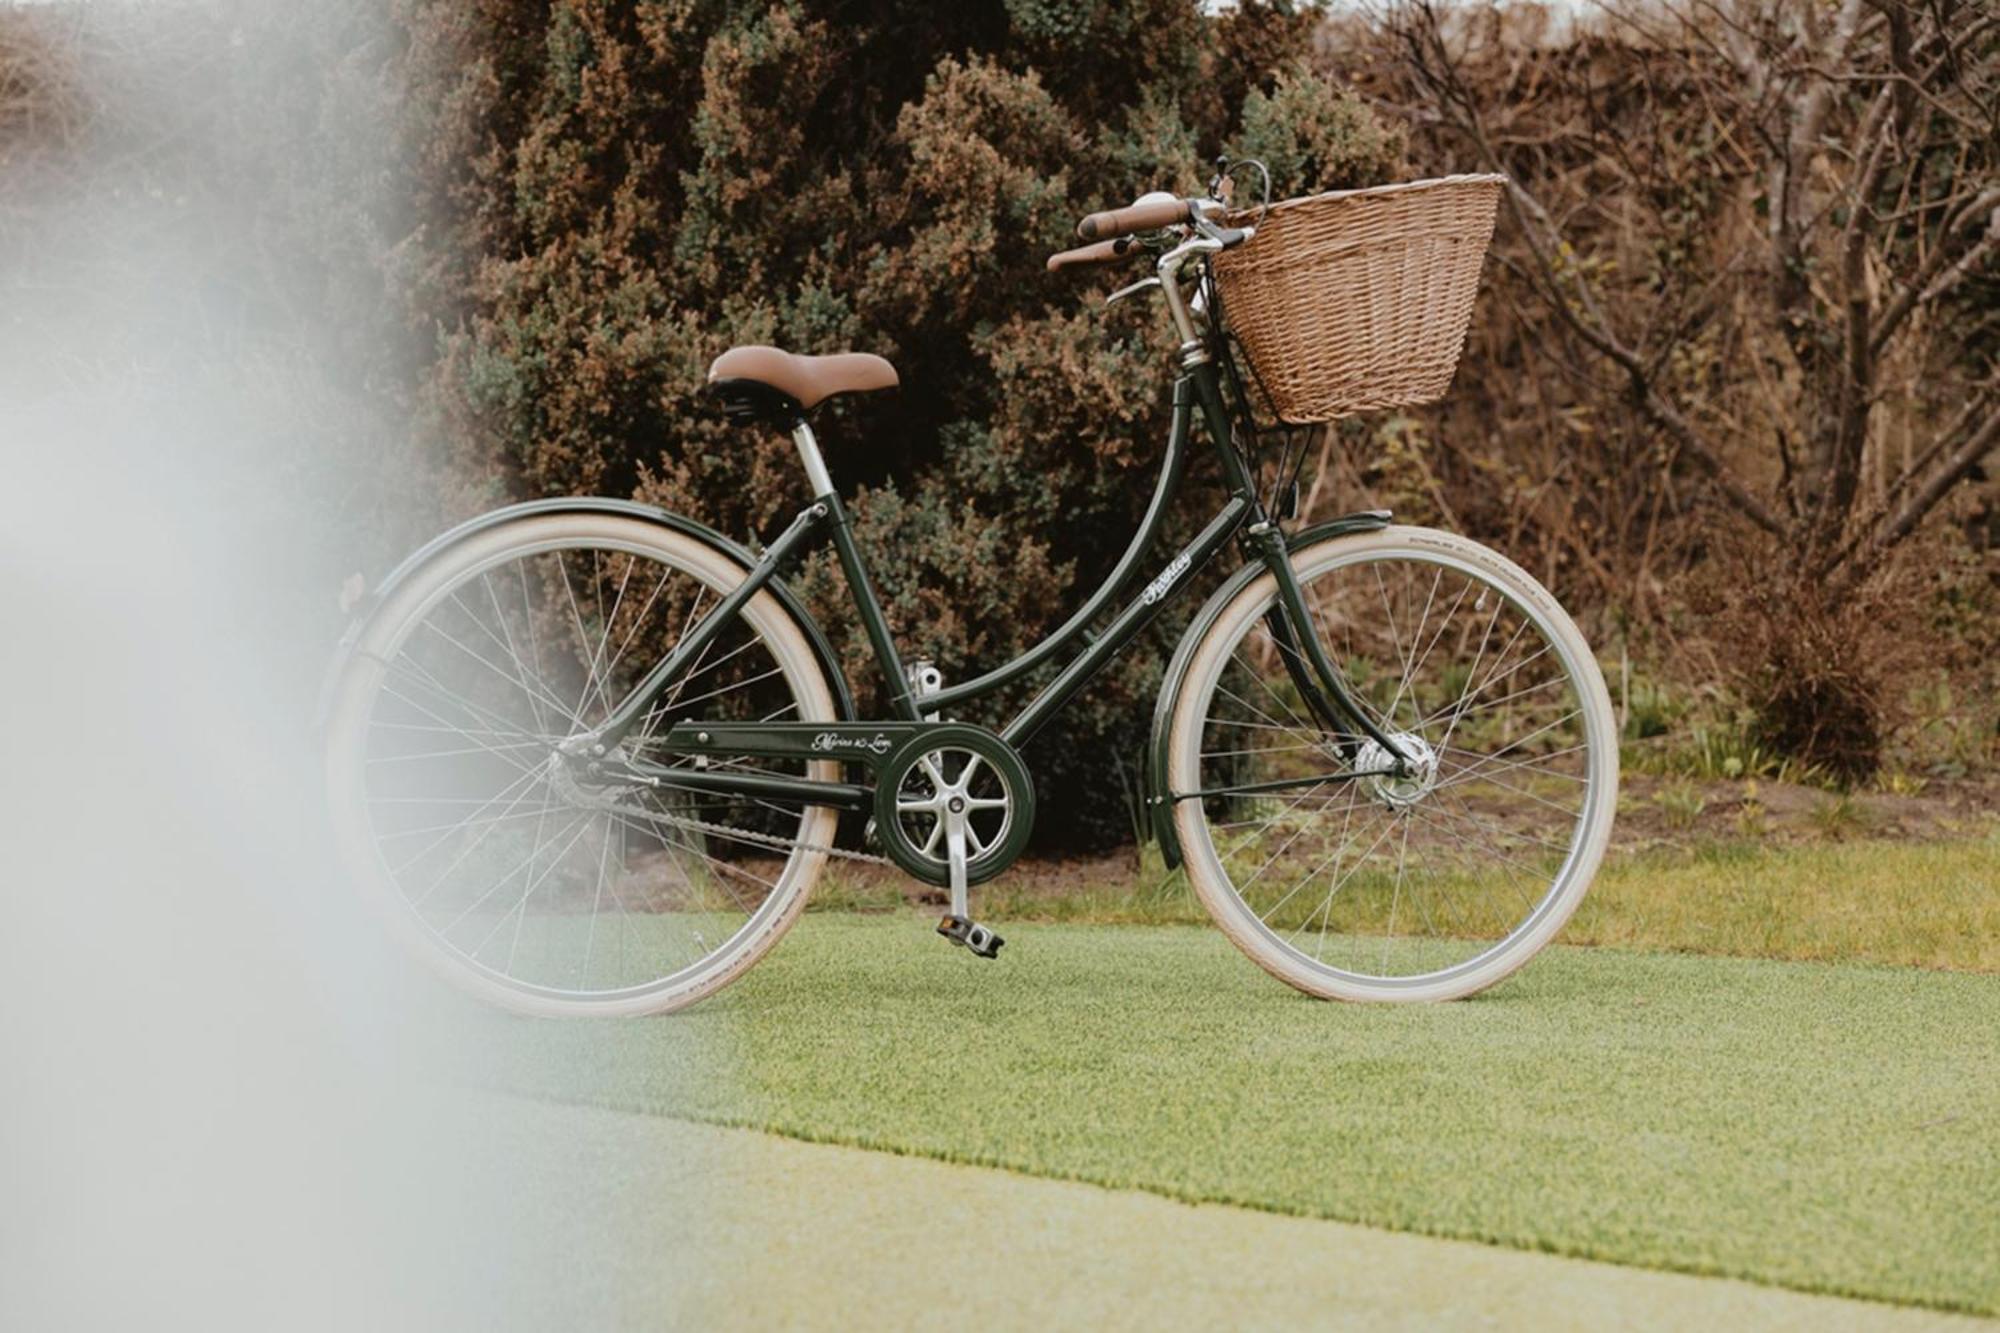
(769, 384)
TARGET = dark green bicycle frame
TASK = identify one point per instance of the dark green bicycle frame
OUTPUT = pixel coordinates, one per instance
(1318, 679)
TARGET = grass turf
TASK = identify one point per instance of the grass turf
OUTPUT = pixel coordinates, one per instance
(1931, 904)
(577, 1216)
(1826, 1128)
(1923, 904)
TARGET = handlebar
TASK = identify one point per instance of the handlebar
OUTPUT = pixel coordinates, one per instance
(1101, 253)
(1144, 216)
(1199, 235)
(1147, 214)
(1184, 229)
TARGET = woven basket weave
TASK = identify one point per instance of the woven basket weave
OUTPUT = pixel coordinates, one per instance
(1359, 299)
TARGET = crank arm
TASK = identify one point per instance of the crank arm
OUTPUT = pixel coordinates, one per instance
(956, 856)
(959, 927)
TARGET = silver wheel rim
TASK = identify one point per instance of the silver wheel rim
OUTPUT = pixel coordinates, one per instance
(1416, 945)
(710, 892)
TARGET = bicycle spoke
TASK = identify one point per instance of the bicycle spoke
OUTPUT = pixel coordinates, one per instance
(1402, 872)
(511, 856)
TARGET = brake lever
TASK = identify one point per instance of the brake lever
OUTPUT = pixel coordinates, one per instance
(1230, 237)
(1137, 287)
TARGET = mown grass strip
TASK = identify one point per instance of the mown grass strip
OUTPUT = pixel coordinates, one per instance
(736, 1229)
(1832, 1129)
(1918, 904)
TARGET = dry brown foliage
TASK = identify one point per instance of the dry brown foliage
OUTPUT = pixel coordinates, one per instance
(1747, 290)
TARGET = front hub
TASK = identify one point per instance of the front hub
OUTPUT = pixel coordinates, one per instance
(1389, 787)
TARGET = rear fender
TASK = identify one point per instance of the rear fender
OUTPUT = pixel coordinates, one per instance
(829, 661)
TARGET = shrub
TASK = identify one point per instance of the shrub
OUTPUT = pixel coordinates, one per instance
(1315, 135)
(654, 186)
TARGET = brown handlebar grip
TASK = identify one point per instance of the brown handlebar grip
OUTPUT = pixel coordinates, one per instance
(1101, 253)
(1133, 217)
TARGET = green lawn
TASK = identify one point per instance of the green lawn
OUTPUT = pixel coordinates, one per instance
(1927, 904)
(1831, 1128)
(580, 1216)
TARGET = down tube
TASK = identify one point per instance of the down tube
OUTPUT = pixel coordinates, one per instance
(1135, 617)
(1172, 468)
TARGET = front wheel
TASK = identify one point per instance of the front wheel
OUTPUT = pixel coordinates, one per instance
(1337, 872)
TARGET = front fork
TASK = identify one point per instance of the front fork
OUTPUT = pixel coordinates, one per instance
(1319, 682)
(1313, 673)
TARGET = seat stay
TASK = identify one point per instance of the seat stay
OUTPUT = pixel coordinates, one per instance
(640, 700)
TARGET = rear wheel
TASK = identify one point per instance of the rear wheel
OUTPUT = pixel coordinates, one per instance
(1343, 876)
(509, 870)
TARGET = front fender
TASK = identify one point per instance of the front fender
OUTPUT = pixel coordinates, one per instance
(829, 661)
(1159, 805)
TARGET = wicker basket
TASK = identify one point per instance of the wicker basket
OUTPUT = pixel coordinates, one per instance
(1359, 299)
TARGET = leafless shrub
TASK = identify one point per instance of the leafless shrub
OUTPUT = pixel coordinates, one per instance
(1753, 253)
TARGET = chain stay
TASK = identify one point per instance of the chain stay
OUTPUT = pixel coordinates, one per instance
(584, 799)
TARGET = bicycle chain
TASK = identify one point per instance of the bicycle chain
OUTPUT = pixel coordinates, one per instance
(742, 835)
(567, 788)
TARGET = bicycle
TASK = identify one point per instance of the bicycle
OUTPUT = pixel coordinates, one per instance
(592, 756)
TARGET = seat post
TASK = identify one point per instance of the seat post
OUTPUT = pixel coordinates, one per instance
(809, 454)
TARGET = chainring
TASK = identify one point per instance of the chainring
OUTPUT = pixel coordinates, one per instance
(940, 762)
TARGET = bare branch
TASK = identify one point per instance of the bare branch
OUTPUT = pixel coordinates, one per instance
(1974, 408)
(1954, 469)
(1573, 300)
(1850, 427)
(1926, 284)
(1967, 263)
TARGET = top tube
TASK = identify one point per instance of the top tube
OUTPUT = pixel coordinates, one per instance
(1172, 469)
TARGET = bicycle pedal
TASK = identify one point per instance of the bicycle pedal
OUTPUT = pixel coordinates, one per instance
(971, 936)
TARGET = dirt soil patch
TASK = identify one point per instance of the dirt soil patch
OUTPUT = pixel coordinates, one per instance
(1656, 812)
